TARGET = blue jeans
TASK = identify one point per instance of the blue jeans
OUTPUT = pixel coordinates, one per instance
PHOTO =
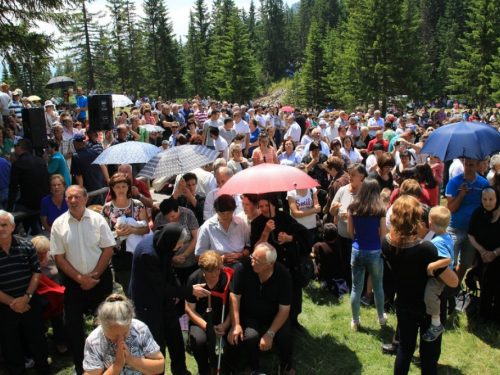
(463, 251)
(362, 261)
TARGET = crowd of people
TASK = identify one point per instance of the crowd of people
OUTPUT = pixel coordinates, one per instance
(373, 225)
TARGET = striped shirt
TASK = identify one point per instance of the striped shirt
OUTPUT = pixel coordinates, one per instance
(201, 117)
(17, 107)
(17, 267)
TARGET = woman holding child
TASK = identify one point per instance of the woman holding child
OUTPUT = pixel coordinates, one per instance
(409, 259)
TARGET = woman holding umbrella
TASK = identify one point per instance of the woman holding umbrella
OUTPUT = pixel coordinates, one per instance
(207, 322)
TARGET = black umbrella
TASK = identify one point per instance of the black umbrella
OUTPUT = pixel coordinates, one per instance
(60, 82)
(211, 337)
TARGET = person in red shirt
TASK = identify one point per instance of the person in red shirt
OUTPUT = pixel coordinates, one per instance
(379, 138)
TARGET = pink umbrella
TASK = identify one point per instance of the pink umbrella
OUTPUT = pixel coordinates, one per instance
(287, 109)
(267, 178)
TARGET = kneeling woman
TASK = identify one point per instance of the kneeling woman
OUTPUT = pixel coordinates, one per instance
(213, 275)
(121, 344)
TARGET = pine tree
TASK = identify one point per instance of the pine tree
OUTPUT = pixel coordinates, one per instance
(272, 53)
(232, 68)
(83, 38)
(118, 27)
(197, 48)
(473, 72)
(106, 70)
(313, 69)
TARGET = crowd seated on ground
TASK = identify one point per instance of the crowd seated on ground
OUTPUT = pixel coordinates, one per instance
(363, 225)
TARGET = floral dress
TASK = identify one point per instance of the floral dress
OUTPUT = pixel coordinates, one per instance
(112, 213)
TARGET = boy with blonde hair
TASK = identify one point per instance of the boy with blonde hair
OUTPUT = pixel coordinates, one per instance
(439, 220)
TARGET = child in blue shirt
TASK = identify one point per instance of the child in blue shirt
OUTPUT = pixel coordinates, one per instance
(439, 220)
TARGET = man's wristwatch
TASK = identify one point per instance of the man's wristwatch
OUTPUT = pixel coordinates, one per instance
(30, 295)
(270, 334)
(141, 196)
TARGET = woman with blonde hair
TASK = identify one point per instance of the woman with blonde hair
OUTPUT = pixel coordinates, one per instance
(211, 274)
(237, 162)
(121, 344)
(408, 258)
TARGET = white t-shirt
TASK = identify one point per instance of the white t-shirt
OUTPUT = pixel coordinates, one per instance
(294, 132)
(456, 168)
(242, 127)
(370, 161)
(303, 204)
(261, 120)
(373, 122)
(221, 145)
(332, 133)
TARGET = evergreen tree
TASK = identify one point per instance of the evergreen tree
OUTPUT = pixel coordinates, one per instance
(83, 38)
(306, 14)
(273, 55)
(197, 49)
(313, 69)
(106, 70)
(473, 71)
(118, 27)
(232, 69)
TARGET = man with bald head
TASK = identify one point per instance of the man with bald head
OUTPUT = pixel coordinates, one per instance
(316, 136)
(379, 139)
(222, 175)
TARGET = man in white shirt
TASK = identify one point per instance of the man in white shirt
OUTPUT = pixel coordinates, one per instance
(456, 168)
(222, 175)
(213, 122)
(316, 135)
(332, 130)
(375, 123)
(220, 143)
(260, 119)
(82, 246)
(340, 121)
(241, 126)
(293, 131)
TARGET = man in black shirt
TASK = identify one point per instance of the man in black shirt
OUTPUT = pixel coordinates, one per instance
(261, 294)
(29, 176)
(20, 311)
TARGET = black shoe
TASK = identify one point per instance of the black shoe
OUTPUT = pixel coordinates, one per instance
(389, 349)
(367, 300)
(299, 327)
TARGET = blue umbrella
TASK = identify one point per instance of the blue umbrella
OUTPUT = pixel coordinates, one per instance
(471, 140)
(178, 160)
(127, 153)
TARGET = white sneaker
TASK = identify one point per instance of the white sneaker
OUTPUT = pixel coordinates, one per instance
(382, 321)
(355, 325)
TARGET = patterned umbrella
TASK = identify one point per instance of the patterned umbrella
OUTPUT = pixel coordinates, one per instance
(153, 128)
(178, 160)
(121, 101)
(127, 153)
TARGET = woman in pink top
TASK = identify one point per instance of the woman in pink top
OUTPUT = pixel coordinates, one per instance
(264, 153)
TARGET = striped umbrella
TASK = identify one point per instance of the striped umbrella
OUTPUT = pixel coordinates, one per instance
(178, 160)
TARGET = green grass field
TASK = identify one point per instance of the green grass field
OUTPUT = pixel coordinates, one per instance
(331, 348)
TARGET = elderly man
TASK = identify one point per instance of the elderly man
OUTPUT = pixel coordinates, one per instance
(82, 246)
(379, 139)
(463, 196)
(222, 175)
(139, 188)
(293, 131)
(316, 136)
(261, 294)
(20, 310)
(376, 123)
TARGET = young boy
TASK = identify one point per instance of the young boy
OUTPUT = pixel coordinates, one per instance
(439, 219)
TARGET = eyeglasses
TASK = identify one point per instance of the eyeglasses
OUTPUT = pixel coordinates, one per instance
(257, 262)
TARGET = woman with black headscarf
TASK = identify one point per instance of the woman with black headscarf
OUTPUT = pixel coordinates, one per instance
(483, 234)
(154, 291)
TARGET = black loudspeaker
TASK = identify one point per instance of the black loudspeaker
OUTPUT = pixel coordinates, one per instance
(100, 112)
(34, 126)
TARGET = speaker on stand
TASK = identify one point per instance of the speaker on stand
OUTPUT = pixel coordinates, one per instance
(100, 112)
(34, 127)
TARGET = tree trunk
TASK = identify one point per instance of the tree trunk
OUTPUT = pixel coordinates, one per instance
(87, 45)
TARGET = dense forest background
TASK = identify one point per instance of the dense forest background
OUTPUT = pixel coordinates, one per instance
(335, 52)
